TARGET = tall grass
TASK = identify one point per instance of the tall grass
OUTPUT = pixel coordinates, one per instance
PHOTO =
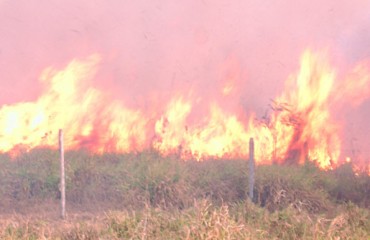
(146, 196)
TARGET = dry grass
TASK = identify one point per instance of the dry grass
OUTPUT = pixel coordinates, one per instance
(145, 196)
(201, 221)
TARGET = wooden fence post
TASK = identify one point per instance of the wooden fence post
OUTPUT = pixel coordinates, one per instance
(62, 176)
(251, 168)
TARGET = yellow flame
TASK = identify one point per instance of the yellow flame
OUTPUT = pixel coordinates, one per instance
(300, 126)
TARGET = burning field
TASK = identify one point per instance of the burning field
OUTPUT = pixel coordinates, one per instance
(107, 103)
(300, 124)
(158, 101)
(189, 92)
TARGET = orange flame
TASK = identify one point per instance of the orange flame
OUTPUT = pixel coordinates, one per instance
(315, 134)
(300, 126)
(85, 113)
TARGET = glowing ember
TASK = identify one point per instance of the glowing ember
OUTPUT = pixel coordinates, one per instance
(299, 127)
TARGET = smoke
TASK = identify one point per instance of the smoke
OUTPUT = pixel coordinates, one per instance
(152, 49)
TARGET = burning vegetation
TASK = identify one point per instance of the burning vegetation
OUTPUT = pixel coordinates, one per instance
(300, 125)
(156, 103)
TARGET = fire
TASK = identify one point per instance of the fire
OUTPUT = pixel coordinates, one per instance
(300, 126)
(217, 136)
(315, 134)
(84, 112)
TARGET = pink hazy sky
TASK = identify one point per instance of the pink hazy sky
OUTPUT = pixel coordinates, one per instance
(161, 45)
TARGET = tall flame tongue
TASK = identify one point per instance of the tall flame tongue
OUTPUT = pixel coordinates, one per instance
(90, 119)
(304, 110)
(300, 126)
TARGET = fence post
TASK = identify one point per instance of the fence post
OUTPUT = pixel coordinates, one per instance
(251, 168)
(62, 176)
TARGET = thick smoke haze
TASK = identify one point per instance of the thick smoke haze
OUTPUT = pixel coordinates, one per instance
(152, 49)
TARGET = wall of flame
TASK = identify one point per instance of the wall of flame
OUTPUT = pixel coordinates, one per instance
(300, 125)
(191, 78)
